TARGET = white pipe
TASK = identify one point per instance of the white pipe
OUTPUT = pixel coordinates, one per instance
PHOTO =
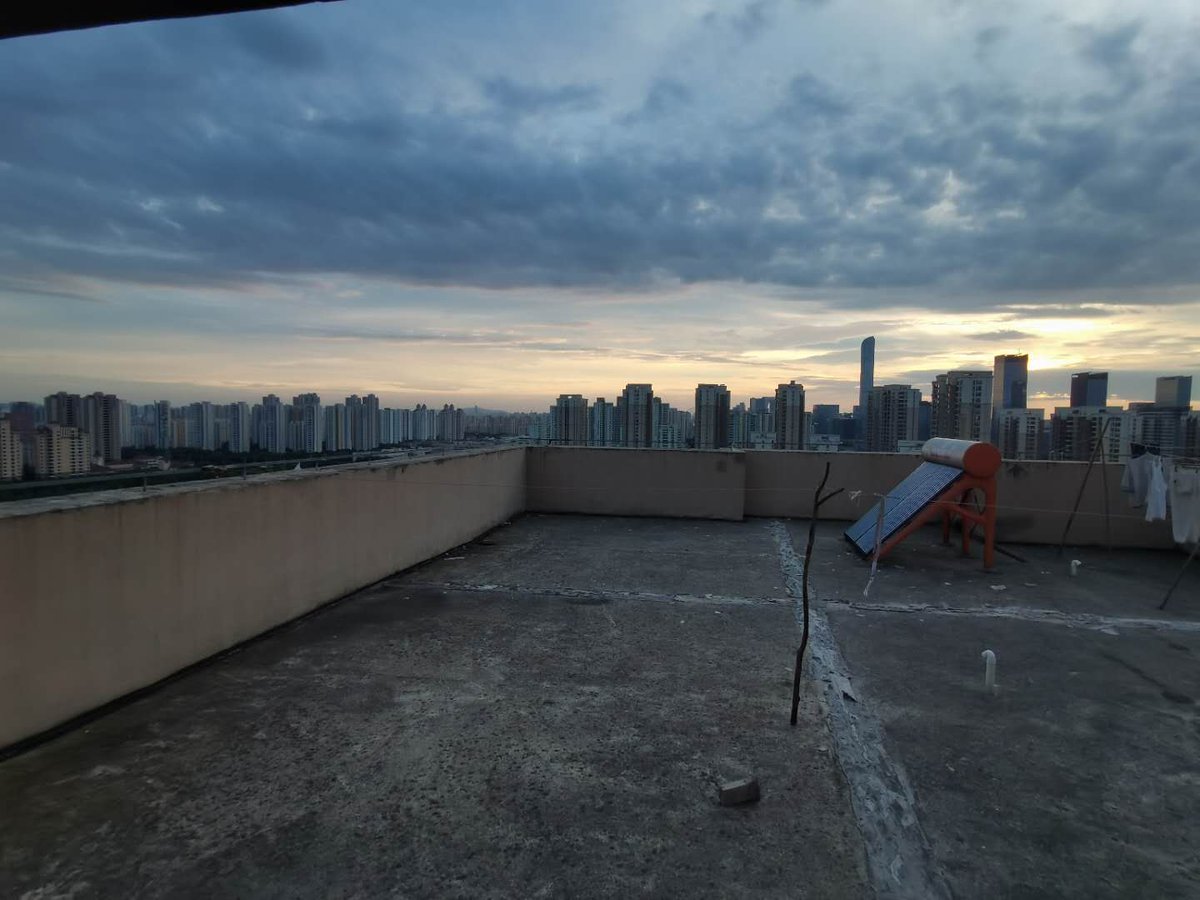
(989, 674)
(1075, 564)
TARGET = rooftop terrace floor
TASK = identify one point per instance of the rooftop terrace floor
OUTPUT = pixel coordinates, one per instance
(550, 710)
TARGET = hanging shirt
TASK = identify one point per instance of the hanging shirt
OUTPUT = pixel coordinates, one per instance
(1185, 505)
(1156, 492)
(1136, 480)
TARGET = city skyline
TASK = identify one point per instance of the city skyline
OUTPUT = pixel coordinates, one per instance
(500, 213)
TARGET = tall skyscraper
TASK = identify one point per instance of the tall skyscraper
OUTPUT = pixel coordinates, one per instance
(1010, 386)
(1089, 389)
(569, 420)
(866, 381)
(891, 417)
(789, 417)
(1173, 391)
(635, 415)
(961, 405)
(712, 416)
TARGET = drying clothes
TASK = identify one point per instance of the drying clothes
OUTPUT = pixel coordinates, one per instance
(1136, 480)
(1156, 492)
(1185, 505)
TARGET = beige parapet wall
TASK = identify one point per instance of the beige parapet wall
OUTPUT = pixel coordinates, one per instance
(701, 484)
(102, 594)
(1034, 497)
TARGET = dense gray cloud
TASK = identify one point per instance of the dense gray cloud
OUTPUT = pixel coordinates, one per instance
(221, 151)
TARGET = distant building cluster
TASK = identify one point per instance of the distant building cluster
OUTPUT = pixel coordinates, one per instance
(69, 434)
(969, 404)
(640, 419)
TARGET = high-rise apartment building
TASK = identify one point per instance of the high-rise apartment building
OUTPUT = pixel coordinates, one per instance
(424, 423)
(395, 426)
(362, 419)
(102, 421)
(789, 417)
(12, 457)
(369, 424)
(961, 406)
(1173, 391)
(1159, 428)
(1089, 389)
(335, 428)
(163, 438)
(569, 420)
(451, 423)
(62, 450)
(635, 416)
(866, 382)
(201, 421)
(891, 417)
(1020, 433)
(1075, 430)
(671, 428)
(712, 416)
(272, 426)
(237, 416)
(602, 423)
(310, 423)
(64, 409)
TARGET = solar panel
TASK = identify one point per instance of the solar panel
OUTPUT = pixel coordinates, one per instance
(903, 502)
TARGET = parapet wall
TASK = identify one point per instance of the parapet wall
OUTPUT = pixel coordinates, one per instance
(1034, 497)
(102, 594)
(613, 481)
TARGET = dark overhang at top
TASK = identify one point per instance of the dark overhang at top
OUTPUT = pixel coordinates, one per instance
(23, 18)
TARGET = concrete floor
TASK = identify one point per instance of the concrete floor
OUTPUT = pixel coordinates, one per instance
(549, 712)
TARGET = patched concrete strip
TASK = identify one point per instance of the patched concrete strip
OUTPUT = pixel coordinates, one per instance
(593, 595)
(1029, 614)
(899, 858)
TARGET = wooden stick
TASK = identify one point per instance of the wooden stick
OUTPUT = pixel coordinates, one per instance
(808, 550)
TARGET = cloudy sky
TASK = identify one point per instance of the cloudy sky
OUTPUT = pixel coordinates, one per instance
(493, 202)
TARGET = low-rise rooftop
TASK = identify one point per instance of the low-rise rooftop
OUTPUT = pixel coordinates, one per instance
(550, 710)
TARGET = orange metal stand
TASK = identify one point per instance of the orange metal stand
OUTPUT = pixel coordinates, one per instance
(956, 501)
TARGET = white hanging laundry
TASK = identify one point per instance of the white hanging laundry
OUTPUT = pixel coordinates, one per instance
(1136, 479)
(1185, 505)
(1156, 493)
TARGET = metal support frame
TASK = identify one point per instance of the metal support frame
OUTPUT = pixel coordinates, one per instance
(955, 501)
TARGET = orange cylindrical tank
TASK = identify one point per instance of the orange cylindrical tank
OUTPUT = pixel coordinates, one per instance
(976, 458)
